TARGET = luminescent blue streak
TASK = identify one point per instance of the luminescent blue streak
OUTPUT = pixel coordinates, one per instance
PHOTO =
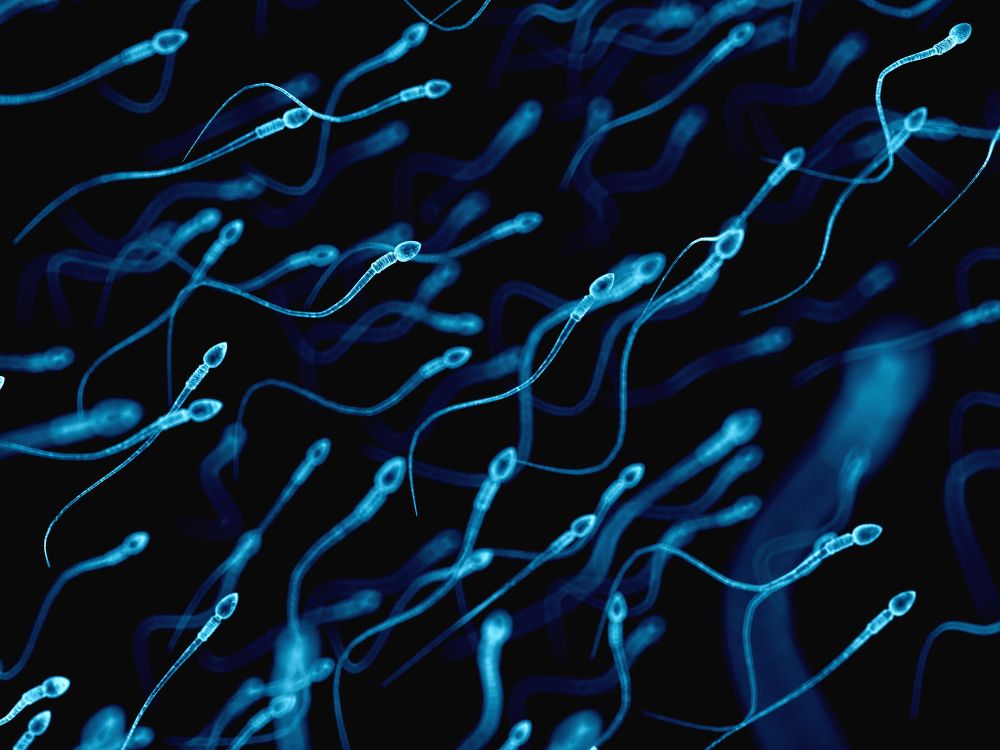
(504, 294)
(55, 359)
(772, 341)
(133, 105)
(224, 609)
(362, 248)
(447, 576)
(646, 634)
(951, 626)
(128, 56)
(146, 432)
(975, 568)
(934, 179)
(689, 124)
(107, 419)
(575, 316)
(500, 231)
(873, 628)
(737, 37)
(975, 398)
(912, 11)
(432, 22)
(989, 155)
(895, 143)
(303, 86)
(561, 546)
(469, 209)
(13, 8)
(133, 545)
(879, 278)
(390, 136)
(987, 312)
(849, 49)
(964, 268)
(495, 633)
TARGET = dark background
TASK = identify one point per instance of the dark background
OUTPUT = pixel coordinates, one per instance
(88, 635)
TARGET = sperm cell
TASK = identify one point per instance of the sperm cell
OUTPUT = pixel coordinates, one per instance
(52, 360)
(599, 288)
(958, 34)
(876, 280)
(52, 687)
(726, 246)
(249, 543)
(36, 727)
(945, 627)
(134, 544)
(984, 314)
(495, 632)
(958, 414)
(913, 122)
(898, 606)
(199, 411)
(738, 37)
(292, 119)
(989, 155)
(524, 223)
(165, 43)
(107, 419)
(911, 11)
(388, 479)
(223, 611)
(579, 529)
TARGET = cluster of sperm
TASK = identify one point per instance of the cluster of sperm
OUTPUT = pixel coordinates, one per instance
(590, 565)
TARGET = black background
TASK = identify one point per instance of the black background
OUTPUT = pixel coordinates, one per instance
(88, 636)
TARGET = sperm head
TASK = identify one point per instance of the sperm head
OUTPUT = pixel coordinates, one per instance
(467, 323)
(691, 120)
(578, 731)
(741, 33)
(53, 687)
(204, 409)
(601, 286)
(598, 110)
(915, 120)
(414, 34)
(775, 339)
(741, 426)
(650, 630)
(323, 255)
(519, 733)
(436, 88)
(497, 626)
(478, 560)
(407, 250)
(135, 543)
(207, 219)
(444, 543)
(389, 476)
(878, 278)
(866, 533)
(742, 509)
(366, 600)
(986, 312)
(582, 525)
(649, 267)
(58, 357)
(527, 221)
(456, 357)
(226, 606)
(115, 416)
(617, 609)
(296, 117)
(793, 158)
(320, 669)
(281, 705)
(168, 41)
(729, 242)
(900, 604)
(851, 47)
(39, 723)
(960, 33)
(214, 356)
(318, 451)
(632, 474)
